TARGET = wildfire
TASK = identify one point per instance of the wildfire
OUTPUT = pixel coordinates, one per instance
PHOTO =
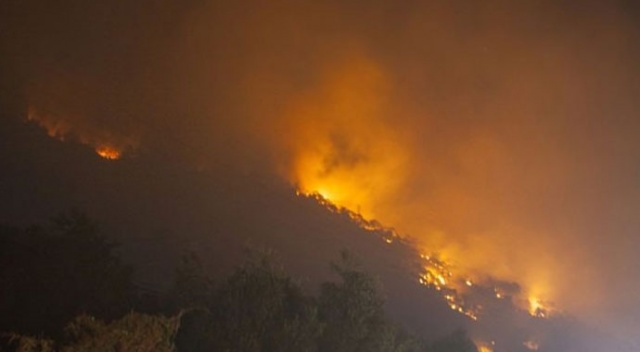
(455, 288)
(342, 144)
(438, 275)
(484, 346)
(537, 308)
(108, 152)
(340, 192)
(105, 144)
(345, 153)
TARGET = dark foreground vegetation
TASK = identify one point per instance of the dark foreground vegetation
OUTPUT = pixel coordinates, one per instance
(63, 288)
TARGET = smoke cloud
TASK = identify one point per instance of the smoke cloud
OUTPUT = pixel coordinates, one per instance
(502, 134)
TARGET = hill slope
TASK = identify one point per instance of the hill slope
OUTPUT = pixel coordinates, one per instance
(158, 206)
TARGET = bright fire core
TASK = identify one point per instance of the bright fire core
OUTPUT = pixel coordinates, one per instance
(437, 274)
(347, 154)
(108, 152)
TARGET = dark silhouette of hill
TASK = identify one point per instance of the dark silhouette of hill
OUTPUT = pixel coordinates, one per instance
(159, 206)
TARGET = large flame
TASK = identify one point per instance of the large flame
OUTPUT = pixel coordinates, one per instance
(497, 135)
(341, 143)
(343, 146)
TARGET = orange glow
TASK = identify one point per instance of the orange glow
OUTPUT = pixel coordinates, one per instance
(56, 128)
(345, 147)
(105, 144)
(341, 143)
(344, 150)
(484, 347)
(537, 308)
(108, 152)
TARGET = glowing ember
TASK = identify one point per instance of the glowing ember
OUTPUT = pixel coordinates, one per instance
(456, 290)
(438, 275)
(537, 308)
(108, 152)
(485, 347)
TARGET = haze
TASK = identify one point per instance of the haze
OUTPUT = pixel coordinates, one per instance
(504, 135)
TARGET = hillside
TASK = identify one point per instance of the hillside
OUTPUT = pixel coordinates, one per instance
(159, 207)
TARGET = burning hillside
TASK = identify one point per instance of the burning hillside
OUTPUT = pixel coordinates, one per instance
(429, 295)
(104, 143)
(463, 295)
(499, 138)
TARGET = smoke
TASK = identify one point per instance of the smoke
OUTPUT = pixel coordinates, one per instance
(339, 139)
(502, 134)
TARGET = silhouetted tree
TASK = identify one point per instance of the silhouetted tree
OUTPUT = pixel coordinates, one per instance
(258, 308)
(353, 314)
(196, 331)
(51, 274)
(192, 287)
(262, 309)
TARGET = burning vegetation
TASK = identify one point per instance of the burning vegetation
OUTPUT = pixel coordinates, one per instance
(105, 144)
(345, 153)
(108, 152)
(461, 293)
(347, 158)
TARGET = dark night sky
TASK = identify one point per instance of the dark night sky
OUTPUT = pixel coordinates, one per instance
(503, 134)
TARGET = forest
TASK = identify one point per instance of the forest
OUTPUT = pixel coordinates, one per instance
(65, 288)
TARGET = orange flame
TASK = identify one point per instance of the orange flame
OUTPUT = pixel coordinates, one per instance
(538, 308)
(343, 146)
(108, 152)
(484, 346)
(105, 144)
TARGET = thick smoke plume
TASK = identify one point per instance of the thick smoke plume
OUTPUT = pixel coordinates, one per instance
(502, 134)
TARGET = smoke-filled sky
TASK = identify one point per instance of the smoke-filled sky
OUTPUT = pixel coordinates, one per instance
(504, 134)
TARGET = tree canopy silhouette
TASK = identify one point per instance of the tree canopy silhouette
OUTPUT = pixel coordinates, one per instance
(50, 274)
(67, 274)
